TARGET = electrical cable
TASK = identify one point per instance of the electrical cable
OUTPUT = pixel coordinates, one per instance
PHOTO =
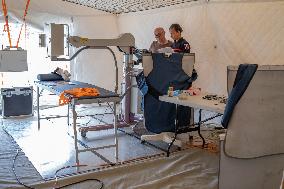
(21, 183)
(99, 181)
(14, 171)
(85, 180)
(73, 166)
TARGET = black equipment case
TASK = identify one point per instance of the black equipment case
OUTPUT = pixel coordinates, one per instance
(17, 101)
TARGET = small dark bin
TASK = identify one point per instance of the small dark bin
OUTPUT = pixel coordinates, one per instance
(17, 101)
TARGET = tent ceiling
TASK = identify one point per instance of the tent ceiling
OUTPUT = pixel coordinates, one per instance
(126, 6)
(54, 7)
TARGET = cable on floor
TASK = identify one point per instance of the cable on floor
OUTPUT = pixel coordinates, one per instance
(85, 180)
(14, 171)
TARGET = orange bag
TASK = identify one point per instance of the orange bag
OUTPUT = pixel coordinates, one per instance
(77, 92)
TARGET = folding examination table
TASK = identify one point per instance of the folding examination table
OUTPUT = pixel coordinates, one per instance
(57, 87)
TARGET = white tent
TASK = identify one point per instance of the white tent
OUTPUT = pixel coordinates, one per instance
(220, 32)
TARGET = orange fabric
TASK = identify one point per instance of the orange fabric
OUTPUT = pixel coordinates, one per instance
(6, 26)
(24, 23)
(77, 92)
(4, 7)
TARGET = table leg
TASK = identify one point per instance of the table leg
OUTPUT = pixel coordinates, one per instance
(115, 132)
(68, 114)
(75, 131)
(38, 115)
(176, 132)
(199, 127)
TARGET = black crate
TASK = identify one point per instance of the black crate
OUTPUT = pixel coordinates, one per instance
(17, 101)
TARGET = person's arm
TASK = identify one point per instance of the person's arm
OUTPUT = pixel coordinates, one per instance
(186, 47)
(152, 47)
(170, 43)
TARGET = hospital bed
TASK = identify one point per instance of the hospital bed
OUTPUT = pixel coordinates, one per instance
(105, 96)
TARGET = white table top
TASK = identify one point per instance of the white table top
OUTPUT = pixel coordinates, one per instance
(196, 102)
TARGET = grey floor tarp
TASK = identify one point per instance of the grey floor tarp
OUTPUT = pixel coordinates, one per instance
(23, 167)
(189, 169)
(192, 169)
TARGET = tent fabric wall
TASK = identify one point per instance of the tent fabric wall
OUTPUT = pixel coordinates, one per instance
(93, 65)
(220, 33)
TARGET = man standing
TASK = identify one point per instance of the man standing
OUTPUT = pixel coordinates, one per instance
(161, 42)
(180, 44)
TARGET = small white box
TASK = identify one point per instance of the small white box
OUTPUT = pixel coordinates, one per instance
(13, 60)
